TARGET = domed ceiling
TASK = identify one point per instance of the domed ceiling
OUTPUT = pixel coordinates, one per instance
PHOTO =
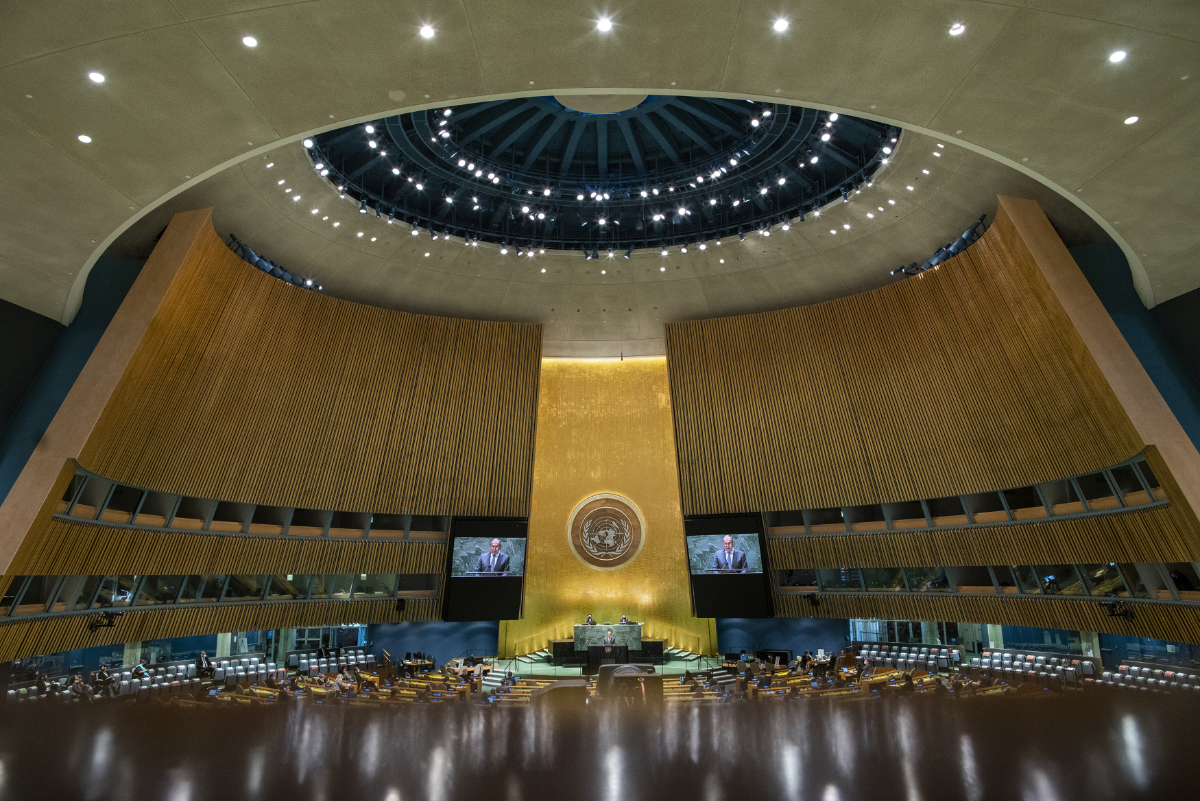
(535, 173)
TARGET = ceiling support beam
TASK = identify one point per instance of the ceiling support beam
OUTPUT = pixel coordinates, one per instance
(634, 150)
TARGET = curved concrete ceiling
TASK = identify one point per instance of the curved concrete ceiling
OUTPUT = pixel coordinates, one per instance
(609, 306)
(1028, 84)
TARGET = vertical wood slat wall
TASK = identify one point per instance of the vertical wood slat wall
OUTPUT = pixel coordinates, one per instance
(246, 388)
(22, 638)
(1174, 622)
(968, 378)
(85, 549)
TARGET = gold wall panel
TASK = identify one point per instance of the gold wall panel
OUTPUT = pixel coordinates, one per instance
(604, 426)
(247, 388)
(1176, 622)
(968, 378)
(22, 638)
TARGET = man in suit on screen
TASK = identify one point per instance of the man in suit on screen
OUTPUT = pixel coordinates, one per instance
(493, 562)
(729, 559)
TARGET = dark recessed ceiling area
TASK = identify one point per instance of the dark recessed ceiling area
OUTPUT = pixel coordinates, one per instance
(531, 172)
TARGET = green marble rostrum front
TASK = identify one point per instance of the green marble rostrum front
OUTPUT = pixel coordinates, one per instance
(629, 635)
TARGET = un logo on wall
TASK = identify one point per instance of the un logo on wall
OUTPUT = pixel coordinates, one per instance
(606, 532)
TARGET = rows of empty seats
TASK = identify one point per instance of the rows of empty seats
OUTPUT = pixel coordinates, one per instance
(911, 657)
(247, 670)
(1038, 668)
(313, 665)
(1146, 678)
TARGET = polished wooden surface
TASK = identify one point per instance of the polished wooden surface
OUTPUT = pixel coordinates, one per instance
(21, 638)
(968, 378)
(1136, 746)
(246, 388)
(604, 426)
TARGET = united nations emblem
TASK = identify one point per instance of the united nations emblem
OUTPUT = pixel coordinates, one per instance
(606, 532)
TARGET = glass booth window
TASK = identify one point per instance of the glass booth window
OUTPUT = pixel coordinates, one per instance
(1026, 581)
(1105, 580)
(339, 586)
(883, 579)
(375, 585)
(927, 579)
(1060, 580)
(840, 579)
(287, 587)
(203, 589)
(160, 590)
(245, 588)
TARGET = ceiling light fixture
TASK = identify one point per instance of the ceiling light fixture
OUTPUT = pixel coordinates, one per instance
(780, 25)
(307, 143)
(1115, 57)
(957, 28)
(427, 31)
(604, 24)
(1128, 121)
(96, 77)
(833, 117)
(249, 41)
(84, 138)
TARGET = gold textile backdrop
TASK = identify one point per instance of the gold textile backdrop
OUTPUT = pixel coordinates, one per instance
(604, 426)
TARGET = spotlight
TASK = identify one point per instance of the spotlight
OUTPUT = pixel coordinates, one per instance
(887, 150)
(524, 209)
(654, 190)
(427, 31)
(370, 129)
(712, 201)
(97, 77)
(395, 170)
(782, 180)
(664, 251)
(957, 28)
(781, 25)
(249, 41)
(762, 191)
(833, 117)
(391, 216)
(604, 24)
(1128, 121)
(462, 162)
(645, 193)
(496, 180)
(579, 196)
(754, 122)
(703, 246)
(683, 249)
(610, 253)
(415, 232)
(813, 160)
(541, 215)
(595, 253)
(733, 162)
(503, 250)
(420, 187)
(1117, 56)
(362, 206)
(377, 214)
(546, 191)
(825, 137)
(629, 252)
(603, 221)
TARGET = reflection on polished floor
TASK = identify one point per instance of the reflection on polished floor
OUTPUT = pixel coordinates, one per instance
(1036, 748)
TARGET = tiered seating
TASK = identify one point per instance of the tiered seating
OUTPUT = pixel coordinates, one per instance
(1150, 679)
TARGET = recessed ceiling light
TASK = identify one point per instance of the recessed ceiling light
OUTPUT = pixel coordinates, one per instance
(308, 143)
(1128, 121)
(96, 77)
(781, 25)
(372, 143)
(360, 233)
(832, 231)
(85, 138)
(846, 226)
(336, 224)
(604, 24)
(957, 28)
(270, 165)
(1117, 55)
(813, 160)
(395, 170)
(664, 269)
(249, 41)
(426, 31)
(891, 203)
(870, 216)
(825, 137)
(316, 211)
(373, 239)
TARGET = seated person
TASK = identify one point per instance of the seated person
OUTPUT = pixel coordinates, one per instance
(906, 686)
(508, 680)
(686, 677)
(105, 682)
(140, 670)
(938, 687)
(591, 621)
(205, 666)
(624, 619)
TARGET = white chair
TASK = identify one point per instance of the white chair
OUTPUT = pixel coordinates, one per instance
(191, 670)
(293, 660)
(122, 688)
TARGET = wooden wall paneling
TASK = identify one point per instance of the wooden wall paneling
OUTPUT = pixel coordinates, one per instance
(21, 638)
(68, 548)
(249, 389)
(1153, 535)
(965, 379)
(1175, 622)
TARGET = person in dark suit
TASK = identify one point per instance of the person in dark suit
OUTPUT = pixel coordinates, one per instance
(624, 619)
(205, 666)
(493, 561)
(591, 621)
(729, 559)
(609, 639)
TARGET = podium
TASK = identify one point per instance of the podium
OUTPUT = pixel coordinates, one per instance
(626, 634)
(596, 654)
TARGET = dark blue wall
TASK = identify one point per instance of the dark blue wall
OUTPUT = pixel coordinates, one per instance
(798, 634)
(1116, 648)
(1107, 271)
(444, 641)
(107, 285)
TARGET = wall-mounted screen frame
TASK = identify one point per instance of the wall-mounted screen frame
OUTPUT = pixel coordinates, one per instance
(728, 587)
(495, 590)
